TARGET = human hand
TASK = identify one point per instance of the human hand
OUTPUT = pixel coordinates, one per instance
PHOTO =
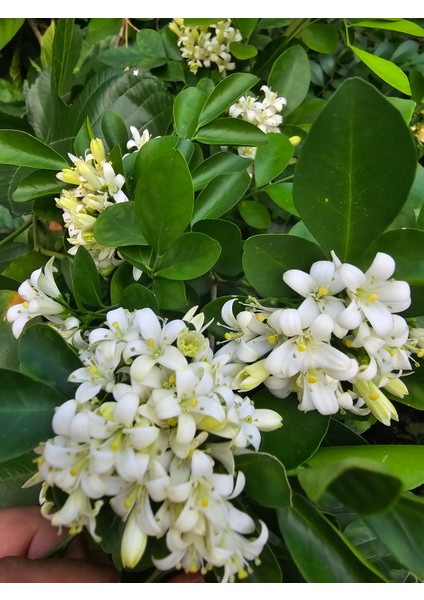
(25, 539)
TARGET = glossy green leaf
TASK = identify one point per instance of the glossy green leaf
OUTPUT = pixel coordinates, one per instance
(230, 131)
(254, 214)
(321, 37)
(267, 256)
(192, 255)
(282, 195)
(39, 361)
(171, 294)
(26, 411)
(228, 91)
(22, 267)
(164, 200)
(66, 51)
(8, 29)
(290, 77)
(401, 25)
(137, 296)
(299, 437)
(228, 235)
(46, 45)
(121, 57)
(266, 480)
(38, 185)
(245, 26)
(385, 69)
(85, 279)
(24, 150)
(220, 195)
(401, 530)
(404, 106)
(13, 474)
(83, 138)
(138, 256)
(156, 148)
(121, 278)
(321, 552)
(272, 159)
(349, 193)
(8, 343)
(220, 163)
(117, 226)
(187, 108)
(151, 47)
(404, 462)
(114, 130)
(45, 208)
(243, 51)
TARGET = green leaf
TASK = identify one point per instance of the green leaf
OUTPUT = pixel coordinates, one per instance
(272, 159)
(38, 185)
(117, 226)
(282, 195)
(13, 474)
(187, 108)
(66, 50)
(220, 195)
(137, 296)
(254, 214)
(403, 462)
(26, 411)
(8, 29)
(220, 163)
(46, 357)
(246, 26)
(46, 44)
(83, 138)
(348, 191)
(151, 47)
(138, 256)
(225, 94)
(228, 235)
(267, 571)
(121, 57)
(8, 344)
(149, 152)
(85, 279)
(404, 106)
(267, 256)
(232, 132)
(320, 37)
(164, 200)
(171, 294)
(266, 480)
(321, 553)
(401, 530)
(243, 51)
(385, 69)
(290, 77)
(192, 255)
(299, 437)
(401, 25)
(22, 267)
(114, 130)
(24, 150)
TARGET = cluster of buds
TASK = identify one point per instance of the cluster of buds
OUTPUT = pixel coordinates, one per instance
(201, 48)
(153, 429)
(340, 350)
(97, 187)
(264, 114)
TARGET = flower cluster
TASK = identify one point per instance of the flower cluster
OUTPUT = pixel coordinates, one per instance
(153, 429)
(264, 114)
(201, 48)
(98, 186)
(339, 349)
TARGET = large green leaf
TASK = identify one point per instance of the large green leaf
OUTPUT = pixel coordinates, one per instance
(226, 93)
(220, 195)
(402, 530)
(24, 150)
(290, 77)
(220, 163)
(156, 148)
(164, 200)
(349, 189)
(321, 37)
(66, 50)
(26, 411)
(266, 481)
(8, 29)
(187, 107)
(228, 235)
(401, 25)
(85, 279)
(137, 296)
(170, 293)
(272, 159)
(321, 552)
(404, 462)
(46, 357)
(152, 50)
(230, 131)
(387, 70)
(299, 437)
(192, 255)
(38, 185)
(117, 226)
(115, 131)
(267, 256)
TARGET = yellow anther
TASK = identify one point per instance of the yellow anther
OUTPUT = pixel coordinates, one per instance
(25, 304)
(301, 346)
(92, 369)
(193, 402)
(420, 353)
(73, 472)
(73, 530)
(193, 568)
(272, 339)
(242, 574)
(249, 419)
(127, 503)
(322, 291)
(349, 343)
(205, 502)
(297, 389)
(39, 460)
(372, 297)
(171, 379)
(115, 325)
(374, 396)
(260, 318)
(151, 342)
(228, 335)
(312, 378)
(172, 422)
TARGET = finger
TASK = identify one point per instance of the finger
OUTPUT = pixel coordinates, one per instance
(54, 570)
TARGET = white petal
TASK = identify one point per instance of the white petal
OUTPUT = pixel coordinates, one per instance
(382, 267)
(300, 282)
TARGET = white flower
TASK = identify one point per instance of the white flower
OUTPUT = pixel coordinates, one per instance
(376, 401)
(137, 140)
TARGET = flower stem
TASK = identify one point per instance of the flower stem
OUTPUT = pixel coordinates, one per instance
(15, 233)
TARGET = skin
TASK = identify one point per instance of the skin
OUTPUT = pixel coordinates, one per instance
(25, 538)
